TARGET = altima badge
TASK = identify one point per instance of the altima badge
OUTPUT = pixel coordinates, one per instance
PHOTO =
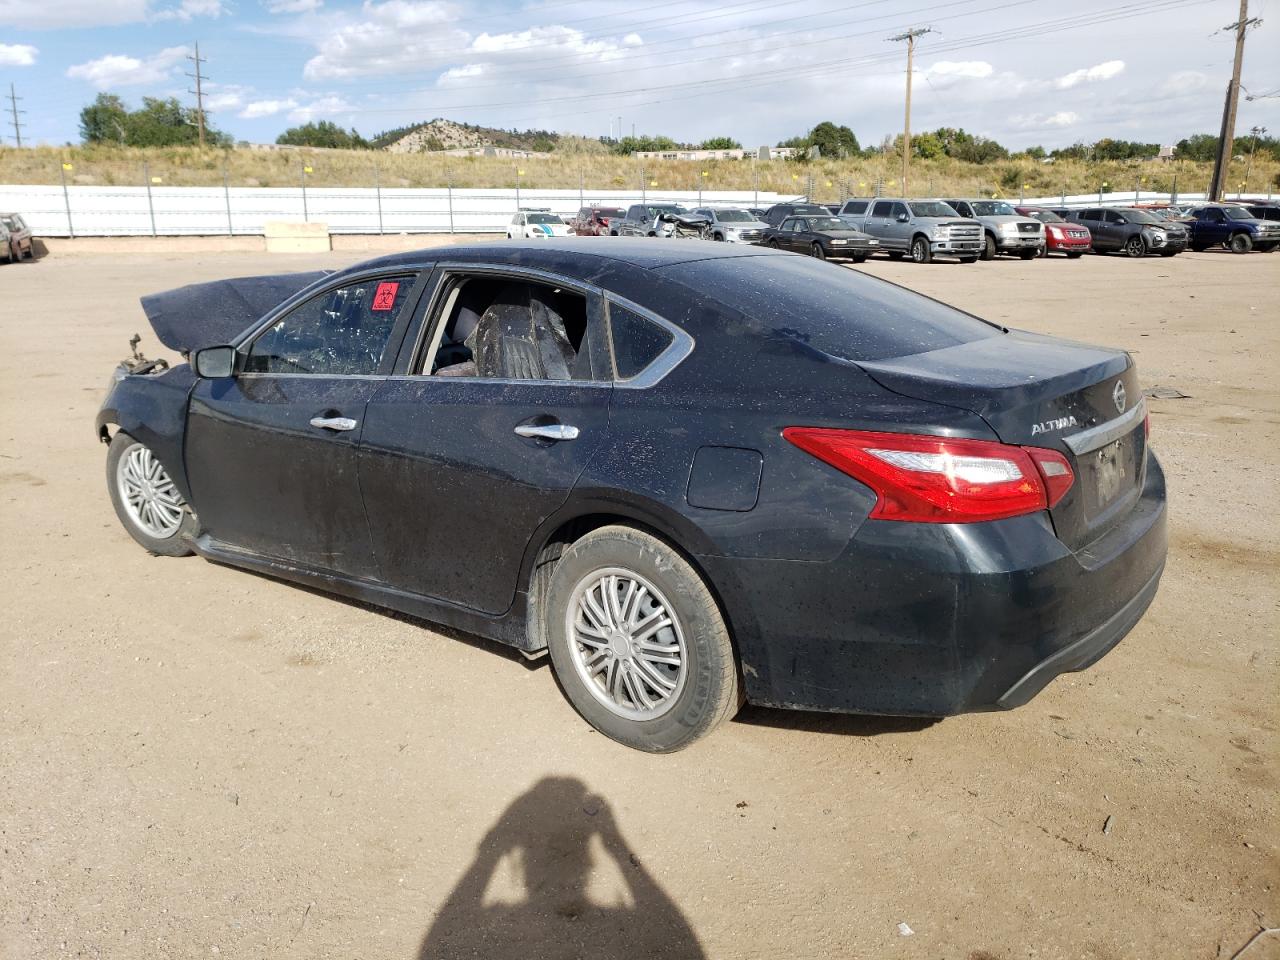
(1061, 423)
(1118, 395)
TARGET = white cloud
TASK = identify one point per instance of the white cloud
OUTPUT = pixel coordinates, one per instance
(267, 108)
(1103, 71)
(58, 14)
(1038, 121)
(324, 108)
(968, 69)
(395, 36)
(17, 55)
(117, 70)
(1063, 118)
(1184, 81)
(632, 40)
(292, 6)
(188, 10)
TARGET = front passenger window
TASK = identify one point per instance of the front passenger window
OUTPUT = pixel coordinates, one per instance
(341, 332)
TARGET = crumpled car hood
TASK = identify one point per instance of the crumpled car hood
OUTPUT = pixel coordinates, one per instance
(209, 314)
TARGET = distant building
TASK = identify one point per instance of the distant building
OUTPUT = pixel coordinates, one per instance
(1166, 153)
(763, 153)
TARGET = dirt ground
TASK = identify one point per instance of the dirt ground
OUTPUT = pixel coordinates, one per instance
(200, 762)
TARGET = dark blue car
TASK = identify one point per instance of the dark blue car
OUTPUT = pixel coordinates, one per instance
(694, 474)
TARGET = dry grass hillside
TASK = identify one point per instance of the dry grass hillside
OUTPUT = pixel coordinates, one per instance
(568, 168)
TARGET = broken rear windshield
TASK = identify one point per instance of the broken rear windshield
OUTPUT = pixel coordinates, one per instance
(839, 312)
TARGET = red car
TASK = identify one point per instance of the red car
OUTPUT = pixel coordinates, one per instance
(594, 221)
(1061, 236)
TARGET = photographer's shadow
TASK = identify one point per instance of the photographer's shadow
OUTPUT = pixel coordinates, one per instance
(554, 880)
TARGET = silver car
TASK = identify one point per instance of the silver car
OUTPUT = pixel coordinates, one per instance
(1004, 229)
(732, 224)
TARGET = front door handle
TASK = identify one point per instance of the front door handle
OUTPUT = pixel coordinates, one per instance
(548, 431)
(333, 423)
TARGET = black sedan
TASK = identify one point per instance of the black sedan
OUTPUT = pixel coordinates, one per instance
(821, 237)
(695, 474)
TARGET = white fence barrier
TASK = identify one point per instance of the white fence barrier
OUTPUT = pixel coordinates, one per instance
(53, 211)
(208, 211)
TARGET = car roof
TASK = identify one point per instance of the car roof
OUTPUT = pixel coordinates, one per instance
(573, 253)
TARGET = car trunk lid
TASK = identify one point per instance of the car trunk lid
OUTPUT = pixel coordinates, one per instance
(1080, 400)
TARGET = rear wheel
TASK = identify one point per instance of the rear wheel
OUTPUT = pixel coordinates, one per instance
(989, 248)
(1135, 246)
(921, 252)
(637, 641)
(1240, 243)
(817, 252)
(146, 499)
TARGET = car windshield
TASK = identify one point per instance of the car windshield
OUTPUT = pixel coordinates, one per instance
(800, 303)
(11, 223)
(807, 209)
(734, 216)
(993, 208)
(1046, 216)
(544, 218)
(827, 223)
(932, 208)
(1138, 216)
(665, 208)
(1237, 213)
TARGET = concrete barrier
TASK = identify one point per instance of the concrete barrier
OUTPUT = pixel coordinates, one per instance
(289, 236)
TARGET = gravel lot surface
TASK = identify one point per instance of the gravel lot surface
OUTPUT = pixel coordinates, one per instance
(197, 761)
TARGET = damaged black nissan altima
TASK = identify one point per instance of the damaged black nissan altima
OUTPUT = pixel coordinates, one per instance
(695, 475)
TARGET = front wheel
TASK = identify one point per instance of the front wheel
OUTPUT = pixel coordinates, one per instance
(1240, 243)
(817, 252)
(638, 643)
(989, 248)
(771, 244)
(859, 258)
(1135, 246)
(146, 499)
(921, 252)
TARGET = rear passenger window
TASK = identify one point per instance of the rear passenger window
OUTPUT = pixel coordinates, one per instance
(882, 209)
(341, 332)
(858, 207)
(637, 341)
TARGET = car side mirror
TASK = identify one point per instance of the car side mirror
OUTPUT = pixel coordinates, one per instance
(1122, 220)
(216, 363)
(903, 218)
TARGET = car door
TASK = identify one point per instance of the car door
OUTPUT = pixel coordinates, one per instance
(271, 452)
(461, 460)
(899, 229)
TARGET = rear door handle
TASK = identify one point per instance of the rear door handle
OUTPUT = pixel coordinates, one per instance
(548, 431)
(333, 423)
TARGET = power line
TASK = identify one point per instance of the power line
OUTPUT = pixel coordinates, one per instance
(910, 37)
(15, 122)
(198, 91)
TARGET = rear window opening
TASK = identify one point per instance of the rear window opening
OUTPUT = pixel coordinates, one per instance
(503, 328)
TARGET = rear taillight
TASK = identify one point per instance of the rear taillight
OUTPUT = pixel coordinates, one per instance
(941, 479)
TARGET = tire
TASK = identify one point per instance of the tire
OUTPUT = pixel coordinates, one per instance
(1135, 247)
(718, 236)
(859, 258)
(175, 541)
(1075, 255)
(704, 686)
(1240, 243)
(989, 248)
(816, 251)
(1199, 247)
(771, 244)
(1264, 247)
(921, 252)
(1044, 251)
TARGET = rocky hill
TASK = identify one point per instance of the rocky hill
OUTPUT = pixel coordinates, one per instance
(442, 134)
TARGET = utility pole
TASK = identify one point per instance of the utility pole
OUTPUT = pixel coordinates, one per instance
(910, 37)
(13, 106)
(1256, 132)
(1223, 160)
(198, 91)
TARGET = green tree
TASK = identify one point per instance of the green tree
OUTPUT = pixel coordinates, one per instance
(1201, 147)
(960, 145)
(1077, 151)
(720, 143)
(1035, 153)
(323, 133)
(926, 147)
(834, 141)
(644, 143)
(103, 121)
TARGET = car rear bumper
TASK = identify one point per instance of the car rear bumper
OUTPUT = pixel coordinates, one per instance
(923, 619)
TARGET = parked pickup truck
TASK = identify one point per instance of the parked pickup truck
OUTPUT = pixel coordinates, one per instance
(921, 228)
(1004, 230)
(1232, 226)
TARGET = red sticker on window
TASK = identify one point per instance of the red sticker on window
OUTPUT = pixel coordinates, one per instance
(384, 298)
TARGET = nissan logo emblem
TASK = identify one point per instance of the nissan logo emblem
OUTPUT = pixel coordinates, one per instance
(1118, 395)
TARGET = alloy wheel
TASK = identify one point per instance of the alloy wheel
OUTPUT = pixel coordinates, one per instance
(627, 645)
(1136, 247)
(148, 494)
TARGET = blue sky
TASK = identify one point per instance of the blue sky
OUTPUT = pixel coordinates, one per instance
(1022, 71)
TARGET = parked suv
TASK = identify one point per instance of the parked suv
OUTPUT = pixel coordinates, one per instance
(594, 221)
(780, 211)
(1233, 226)
(644, 220)
(1136, 232)
(1004, 230)
(922, 228)
(732, 224)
